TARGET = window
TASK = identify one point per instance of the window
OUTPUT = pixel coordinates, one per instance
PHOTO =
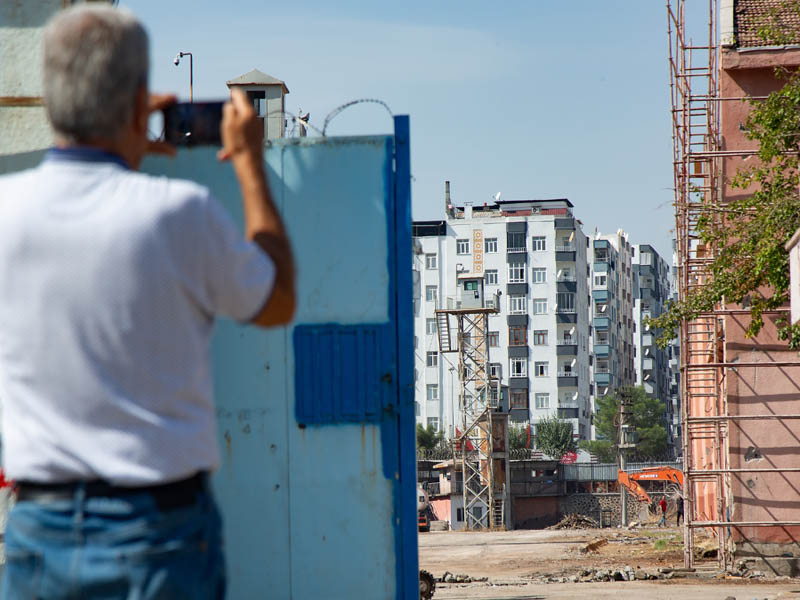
(515, 242)
(490, 245)
(517, 336)
(542, 400)
(430, 326)
(645, 258)
(600, 280)
(462, 246)
(430, 293)
(431, 262)
(539, 275)
(516, 273)
(519, 399)
(432, 359)
(539, 306)
(432, 391)
(460, 515)
(495, 370)
(518, 367)
(416, 409)
(517, 305)
(433, 422)
(494, 339)
(540, 337)
(491, 276)
(539, 243)
(565, 302)
(541, 369)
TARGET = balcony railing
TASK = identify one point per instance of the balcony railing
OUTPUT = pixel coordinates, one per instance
(566, 278)
(516, 249)
(563, 310)
(567, 342)
(602, 370)
(567, 373)
(566, 248)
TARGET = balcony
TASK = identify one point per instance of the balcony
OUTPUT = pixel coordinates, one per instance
(602, 378)
(602, 350)
(565, 311)
(566, 248)
(567, 379)
(566, 348)
(601, 322)
(516, 249)
(566, 277)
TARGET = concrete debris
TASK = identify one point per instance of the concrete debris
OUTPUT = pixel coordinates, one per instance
(448, 577)
(593, 545)
(575, 521)
(626, 573)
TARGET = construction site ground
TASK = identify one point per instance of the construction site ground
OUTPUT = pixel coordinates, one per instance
(550, 564)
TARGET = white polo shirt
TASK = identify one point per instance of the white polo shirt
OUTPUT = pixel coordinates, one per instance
(109, 284)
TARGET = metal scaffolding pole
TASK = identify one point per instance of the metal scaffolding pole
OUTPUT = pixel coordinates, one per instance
(474, 445)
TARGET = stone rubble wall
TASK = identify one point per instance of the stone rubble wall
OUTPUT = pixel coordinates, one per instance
(603, 508)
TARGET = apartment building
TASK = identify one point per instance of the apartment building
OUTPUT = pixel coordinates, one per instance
(652, 290)
(613, 348)
(534, 254)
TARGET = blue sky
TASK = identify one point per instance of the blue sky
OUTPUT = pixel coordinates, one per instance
(534, 99)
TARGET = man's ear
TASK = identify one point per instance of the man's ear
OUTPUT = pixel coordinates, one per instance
(141, 110)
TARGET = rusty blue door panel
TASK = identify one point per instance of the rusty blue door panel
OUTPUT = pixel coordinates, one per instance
(316, 420)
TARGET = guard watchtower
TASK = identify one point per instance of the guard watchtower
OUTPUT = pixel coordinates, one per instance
(480, 445)
(268, 97)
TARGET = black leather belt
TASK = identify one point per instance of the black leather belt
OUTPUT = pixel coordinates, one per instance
(166, 496)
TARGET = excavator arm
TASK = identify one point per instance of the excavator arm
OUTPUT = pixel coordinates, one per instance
(625, 479)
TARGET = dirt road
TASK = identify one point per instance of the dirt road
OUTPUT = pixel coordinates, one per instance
(519, 564)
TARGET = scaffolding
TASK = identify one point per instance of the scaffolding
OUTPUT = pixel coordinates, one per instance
(479, 446)
(704, 367)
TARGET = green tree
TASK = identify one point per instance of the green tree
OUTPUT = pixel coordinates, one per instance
(750, 265)
(647, 416)
(517, 436)
(428, 438)
(554, 437)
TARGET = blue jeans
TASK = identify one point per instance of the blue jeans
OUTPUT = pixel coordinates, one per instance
(114, 548)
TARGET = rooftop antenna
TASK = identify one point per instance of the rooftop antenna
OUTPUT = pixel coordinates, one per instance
(497, 197)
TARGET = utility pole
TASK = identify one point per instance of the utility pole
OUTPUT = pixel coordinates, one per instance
(626, 438)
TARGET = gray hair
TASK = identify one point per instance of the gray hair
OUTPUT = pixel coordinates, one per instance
(95, 59)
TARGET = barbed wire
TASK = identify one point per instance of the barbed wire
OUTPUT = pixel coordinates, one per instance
(339, 109)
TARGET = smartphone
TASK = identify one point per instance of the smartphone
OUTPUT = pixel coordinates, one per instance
(193, 124)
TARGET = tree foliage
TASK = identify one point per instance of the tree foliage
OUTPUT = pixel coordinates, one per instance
(517, 436)
(648, 418)
(554, 437)
(750, 265)
(428, 438)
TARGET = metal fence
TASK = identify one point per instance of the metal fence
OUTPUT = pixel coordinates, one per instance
(607, 471)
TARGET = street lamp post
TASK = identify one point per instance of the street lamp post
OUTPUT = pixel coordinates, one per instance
(177, 61)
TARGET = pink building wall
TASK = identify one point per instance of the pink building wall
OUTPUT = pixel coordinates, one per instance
(758, 390)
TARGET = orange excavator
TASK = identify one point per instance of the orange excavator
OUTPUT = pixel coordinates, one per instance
(631, 480)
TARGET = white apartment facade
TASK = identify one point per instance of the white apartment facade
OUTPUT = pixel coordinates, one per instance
(652, 290)
(611, 257)
(534, 253)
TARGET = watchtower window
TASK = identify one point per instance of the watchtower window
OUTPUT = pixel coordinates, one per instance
(470, 286)
(259, 100)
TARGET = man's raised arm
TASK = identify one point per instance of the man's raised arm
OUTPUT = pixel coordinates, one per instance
(242, 145)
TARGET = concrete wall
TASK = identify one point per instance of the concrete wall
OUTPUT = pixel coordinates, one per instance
(535, 512)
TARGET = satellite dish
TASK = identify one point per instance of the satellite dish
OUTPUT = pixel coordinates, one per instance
(497, 196)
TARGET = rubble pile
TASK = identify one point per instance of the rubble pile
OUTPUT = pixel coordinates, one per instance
(448, 577)
(575, 521)
(626, 573)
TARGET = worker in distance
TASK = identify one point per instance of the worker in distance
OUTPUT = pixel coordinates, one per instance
(110, 281)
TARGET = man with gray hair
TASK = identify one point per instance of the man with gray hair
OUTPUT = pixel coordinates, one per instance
(109, 284)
